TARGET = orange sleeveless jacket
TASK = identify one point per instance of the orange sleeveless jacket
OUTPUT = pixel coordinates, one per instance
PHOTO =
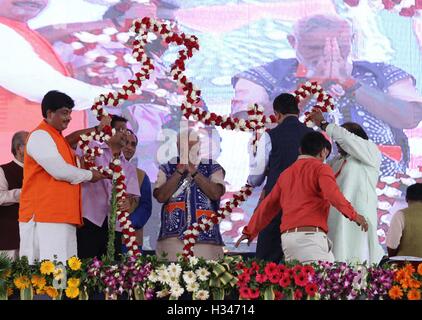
(44, 198)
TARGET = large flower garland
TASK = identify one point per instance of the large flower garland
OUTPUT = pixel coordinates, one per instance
(190, 109)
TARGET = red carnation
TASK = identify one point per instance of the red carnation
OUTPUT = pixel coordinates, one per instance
(298, 294)
(275, 277)
(282, 268)
(261, 278)
(243, 279)
(311, 289)
(297, 269)
(301, 279)
(244, 292)
(253, 293)
(309, 270)
(284, 281)
(271, 268)
(278, 295)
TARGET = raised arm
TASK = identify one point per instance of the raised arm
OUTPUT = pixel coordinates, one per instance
(364, 150)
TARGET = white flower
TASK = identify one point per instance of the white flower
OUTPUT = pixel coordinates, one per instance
(163, 276)
(176, 291)
(173, 280)
(174, 269)
(192, 287)
(189, 277)
(193, 261)
(116, 162)
(202, 274)
(202, 295)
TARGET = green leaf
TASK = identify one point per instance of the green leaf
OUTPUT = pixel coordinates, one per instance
(218, 294)
(269, 294)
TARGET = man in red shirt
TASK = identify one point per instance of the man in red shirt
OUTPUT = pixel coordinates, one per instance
(305, 192)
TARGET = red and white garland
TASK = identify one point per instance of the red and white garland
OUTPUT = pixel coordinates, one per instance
(256, 122)
(325, 102)
(205, 223)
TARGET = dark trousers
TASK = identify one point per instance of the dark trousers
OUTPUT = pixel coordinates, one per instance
(92, 240)
(268, 247)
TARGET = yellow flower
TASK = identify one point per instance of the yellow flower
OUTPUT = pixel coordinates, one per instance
(22, 282)
(73, 282)
(47, 267)
(38, 281)
(51, 292)
(72, 292)
(414, 295)
(74, 263)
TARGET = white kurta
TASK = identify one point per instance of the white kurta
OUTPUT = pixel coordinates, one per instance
(357, 181)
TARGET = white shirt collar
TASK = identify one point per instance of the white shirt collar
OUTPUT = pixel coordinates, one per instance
(18, 162)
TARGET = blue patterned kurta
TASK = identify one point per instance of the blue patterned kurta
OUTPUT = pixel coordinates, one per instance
(181, 211)
(280, 76)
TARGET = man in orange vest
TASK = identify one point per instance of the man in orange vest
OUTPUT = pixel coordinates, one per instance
(50, 207)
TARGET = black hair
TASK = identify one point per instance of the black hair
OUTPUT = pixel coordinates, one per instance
(115, 118)
(356, 129)
(286, 103)
(313, 143)
(55, 100)
(414, 192)
(133, 133)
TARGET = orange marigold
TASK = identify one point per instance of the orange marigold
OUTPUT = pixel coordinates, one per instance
(400, 275)
(414, 284)
(409, 269)
(420, 269)
(405, 283)
(395, 293)
(51, 292)
(414, 294)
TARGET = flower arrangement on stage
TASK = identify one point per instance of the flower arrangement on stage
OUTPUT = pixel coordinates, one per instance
(407, 283)
(150, 277)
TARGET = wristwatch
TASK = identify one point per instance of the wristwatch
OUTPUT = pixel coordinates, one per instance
(194, 175)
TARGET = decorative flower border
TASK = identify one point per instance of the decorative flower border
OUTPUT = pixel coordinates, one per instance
(148, 277)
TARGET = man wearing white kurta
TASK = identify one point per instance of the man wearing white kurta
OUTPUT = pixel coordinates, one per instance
(356, 168)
